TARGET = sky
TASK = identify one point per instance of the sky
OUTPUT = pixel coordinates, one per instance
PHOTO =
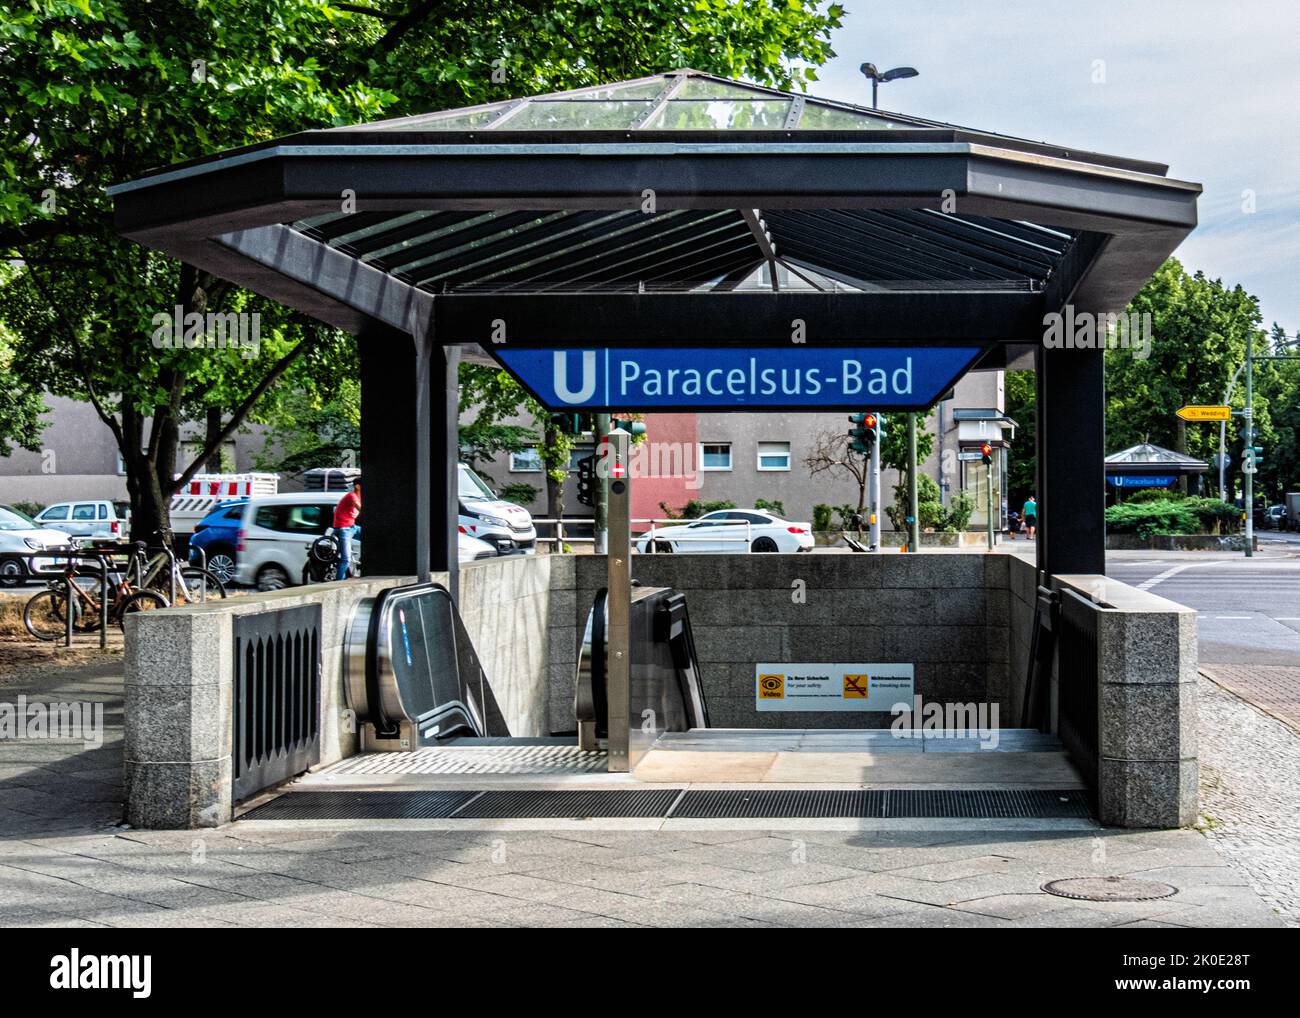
(1211, 89)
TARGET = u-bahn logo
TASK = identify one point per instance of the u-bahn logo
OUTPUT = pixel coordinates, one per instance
(586, 389)
(771, 687)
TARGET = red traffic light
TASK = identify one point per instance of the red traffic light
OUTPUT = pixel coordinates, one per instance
(869, 421)
(986, 449)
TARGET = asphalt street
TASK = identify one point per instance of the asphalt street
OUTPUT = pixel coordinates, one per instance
(1248, 610)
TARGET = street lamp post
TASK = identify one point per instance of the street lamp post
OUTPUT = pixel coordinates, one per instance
(878, 77)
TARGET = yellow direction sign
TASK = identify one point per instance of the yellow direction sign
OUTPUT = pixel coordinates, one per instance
(1206, 413)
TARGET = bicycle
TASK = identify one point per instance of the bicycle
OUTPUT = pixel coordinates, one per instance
(190, 579)
(45, 616)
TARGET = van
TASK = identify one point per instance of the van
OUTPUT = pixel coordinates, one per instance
(275, 534)
(504, 525)
(96, 519)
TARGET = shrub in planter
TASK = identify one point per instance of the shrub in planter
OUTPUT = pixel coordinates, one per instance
(821, 520)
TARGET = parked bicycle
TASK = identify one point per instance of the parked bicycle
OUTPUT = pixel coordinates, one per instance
(193, 583)
(46, 614)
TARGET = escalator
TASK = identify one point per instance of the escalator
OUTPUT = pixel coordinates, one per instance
(665, 693)
(411, 673)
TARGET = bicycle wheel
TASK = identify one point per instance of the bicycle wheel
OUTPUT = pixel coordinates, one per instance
(195, 578)
(46, 615)
(141, 601)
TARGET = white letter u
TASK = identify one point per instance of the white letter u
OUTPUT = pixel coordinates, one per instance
(562, 389)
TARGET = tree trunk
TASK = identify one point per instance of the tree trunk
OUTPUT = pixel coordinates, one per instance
(554, 488)
(211, 436)
(1180, 445)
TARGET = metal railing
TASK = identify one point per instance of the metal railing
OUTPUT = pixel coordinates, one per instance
(1079, 678)
(561, 538)
(277, 696)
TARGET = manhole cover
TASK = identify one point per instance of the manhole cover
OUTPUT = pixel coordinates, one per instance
(1109, 889)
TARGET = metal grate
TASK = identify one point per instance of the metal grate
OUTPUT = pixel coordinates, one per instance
(479, 760)
(536, 803)
(875, 804)
(277, 697)
(408, 805)
(781, 803)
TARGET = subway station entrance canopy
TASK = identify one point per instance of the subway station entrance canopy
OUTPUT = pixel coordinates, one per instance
(676, 209)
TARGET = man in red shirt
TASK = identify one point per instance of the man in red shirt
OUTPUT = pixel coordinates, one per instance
(345, 525)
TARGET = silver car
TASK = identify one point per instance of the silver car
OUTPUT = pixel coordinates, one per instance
(99, 519)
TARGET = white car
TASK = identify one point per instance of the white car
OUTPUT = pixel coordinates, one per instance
(276, 533)
(471, 549)
(729, 530)
(20, 538)
(100, 519)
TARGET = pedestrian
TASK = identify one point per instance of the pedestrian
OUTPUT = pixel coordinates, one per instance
(345, 526)
(1013, 524)
(1030, 514)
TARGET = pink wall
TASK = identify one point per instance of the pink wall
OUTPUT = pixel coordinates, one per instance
(670, 448)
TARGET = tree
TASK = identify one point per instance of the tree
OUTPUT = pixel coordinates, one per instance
(830, 454)
(893, 453)
(104, 90)
(1021, 395)
(21, 405)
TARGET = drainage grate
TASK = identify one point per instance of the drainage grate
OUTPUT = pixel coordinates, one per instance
(883, 804)
(407, 805)
(491, 760)
(545, 804)
(780, 803)
(993, 803)
(700, 804)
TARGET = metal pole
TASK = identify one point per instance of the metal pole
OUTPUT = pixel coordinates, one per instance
(69, 608)
(103, 601)
(913, 487)
(602, 490)
(1250, 441)
(618, 672)
(988, 478)
(873, 492)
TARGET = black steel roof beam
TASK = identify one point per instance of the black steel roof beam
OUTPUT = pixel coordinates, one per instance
(461, 239)
(729, 247)
(433, 222)
(806, 236)
(935, 244)
(948, 235)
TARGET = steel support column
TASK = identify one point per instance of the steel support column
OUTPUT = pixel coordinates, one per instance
(443, 456)
(1071, 447)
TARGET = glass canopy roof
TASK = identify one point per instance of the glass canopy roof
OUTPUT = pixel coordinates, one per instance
(677, 101)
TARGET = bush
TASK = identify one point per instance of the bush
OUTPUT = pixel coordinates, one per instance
(772, 506)
(1154, 495)
(1171, 516)
(929, 505)
(821, 521)
(846, 513)
(960, 507)
(694, 509)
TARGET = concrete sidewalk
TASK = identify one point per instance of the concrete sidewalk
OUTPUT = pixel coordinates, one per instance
(64, 863)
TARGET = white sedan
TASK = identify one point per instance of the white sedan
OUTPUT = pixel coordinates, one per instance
(20, 538)
(729, 530)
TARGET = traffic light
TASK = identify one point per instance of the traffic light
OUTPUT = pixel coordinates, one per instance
(587, 480)
(863, 434)
(880, 427)
(986, 451)
(633, 428)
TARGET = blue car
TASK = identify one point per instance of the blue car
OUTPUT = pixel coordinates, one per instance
(218, 535)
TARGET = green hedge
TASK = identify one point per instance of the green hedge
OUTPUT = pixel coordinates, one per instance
(1171, 516)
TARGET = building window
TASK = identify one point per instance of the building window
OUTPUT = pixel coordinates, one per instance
(773, 455)
(715, 456)
(526, 461)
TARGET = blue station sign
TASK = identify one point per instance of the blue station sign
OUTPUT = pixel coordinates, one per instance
(743, 378)
(1141, 480)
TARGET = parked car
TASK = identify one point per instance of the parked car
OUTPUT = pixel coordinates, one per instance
(729, 530)
(100, 519)
(470, 549)
(20, 538)
(217, 534)
(1275, 517)
(275, 534)
(506, 526)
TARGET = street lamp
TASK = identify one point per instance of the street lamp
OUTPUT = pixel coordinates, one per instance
(891, 75)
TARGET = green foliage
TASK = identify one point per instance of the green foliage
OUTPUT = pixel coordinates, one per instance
(1021, 397)
(518, 492)
(21, 405)
(1171, 516)
(314, 429)
(1154, 495)
(694, 509)
(772, 506)
(846, 513)
(821, 521)
(27, 508)
(960, 508)
(931, 513)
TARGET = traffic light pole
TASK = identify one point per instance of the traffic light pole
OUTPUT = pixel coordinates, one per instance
(618, 673)
(1249, 453)
(601, 509)
(913, 485)
(873, 492)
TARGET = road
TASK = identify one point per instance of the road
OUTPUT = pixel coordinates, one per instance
(1248, 610)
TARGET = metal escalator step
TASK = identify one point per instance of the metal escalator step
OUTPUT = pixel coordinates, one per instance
(405, 805)
(544, 804)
